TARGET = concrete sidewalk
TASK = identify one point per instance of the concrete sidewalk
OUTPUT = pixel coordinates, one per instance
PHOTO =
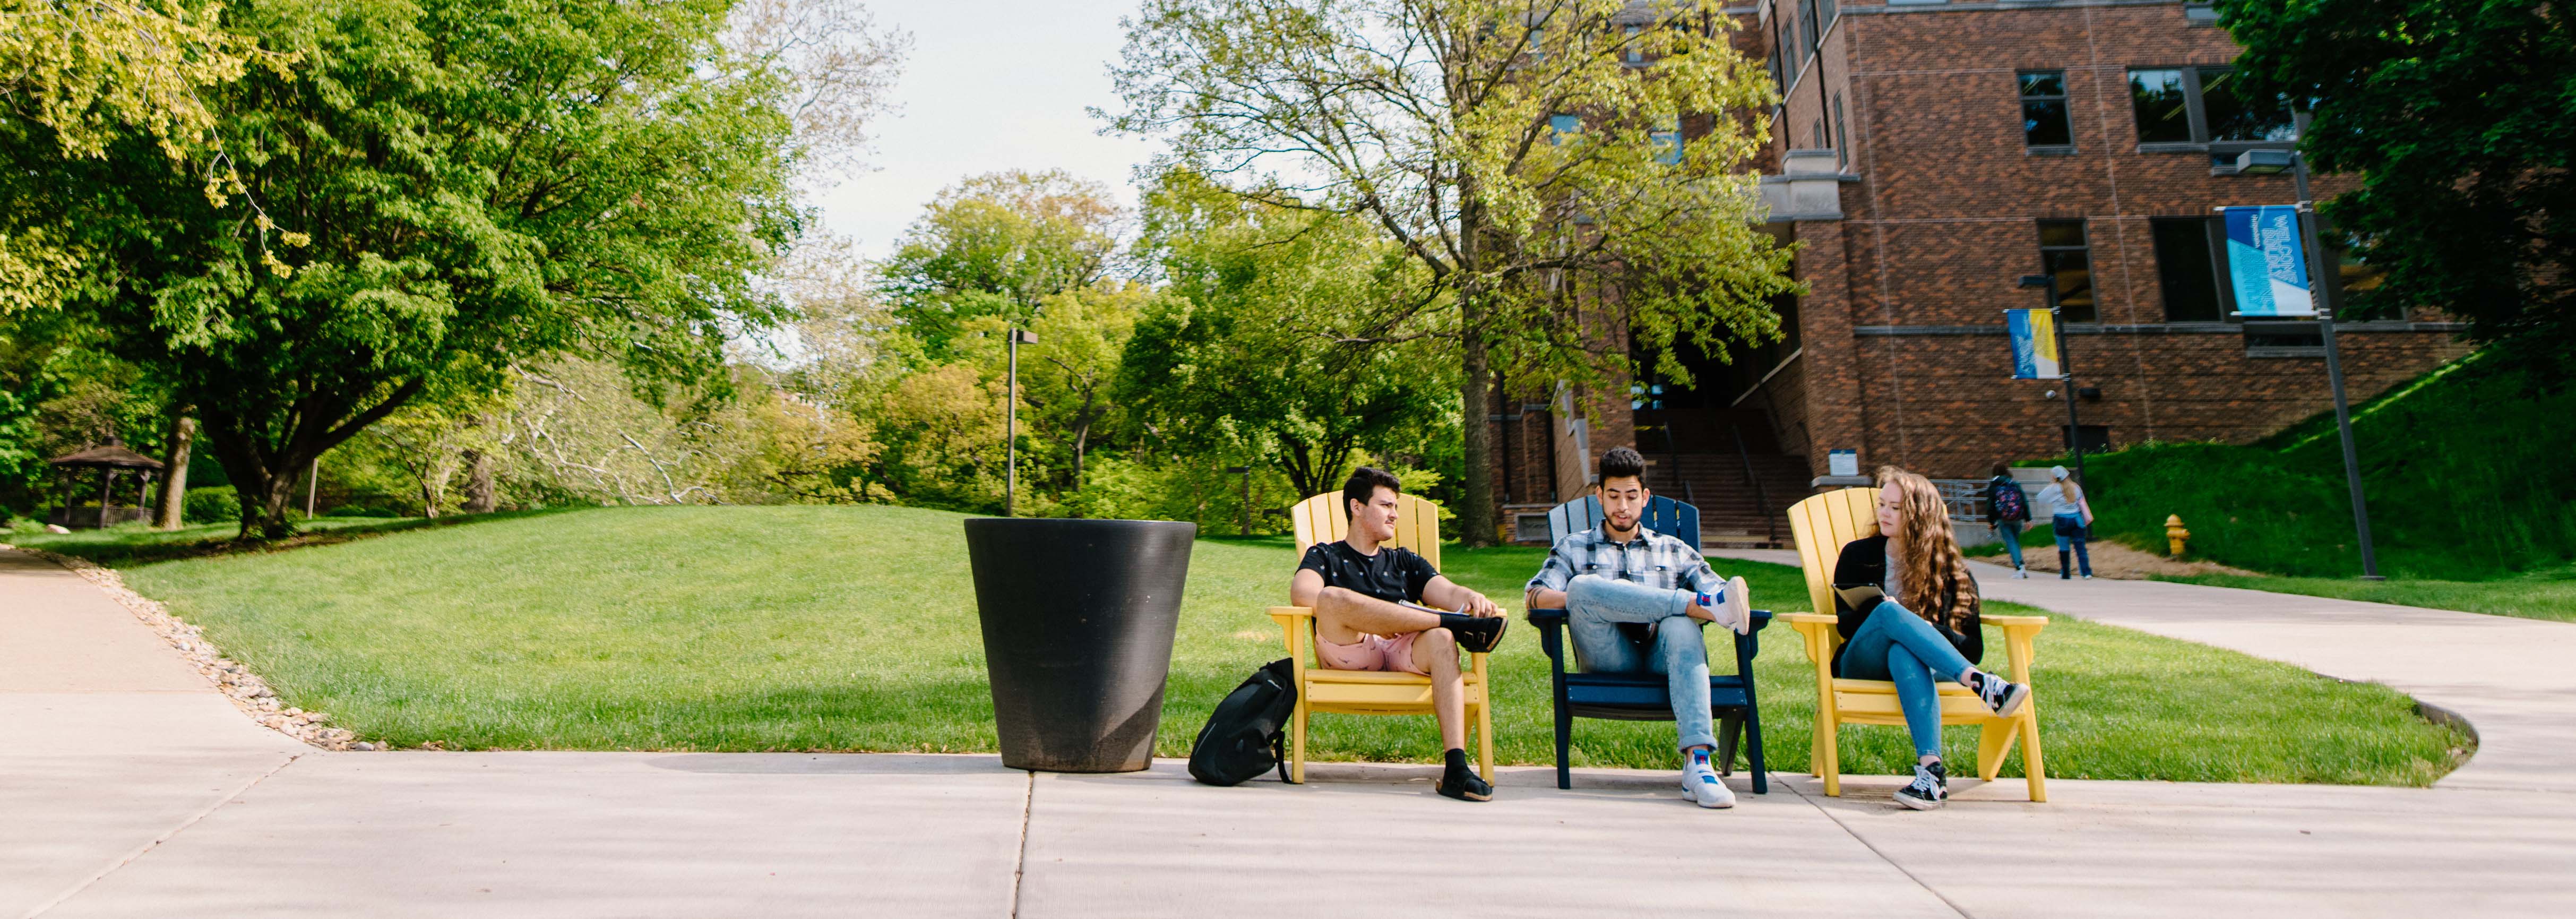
(129, 792)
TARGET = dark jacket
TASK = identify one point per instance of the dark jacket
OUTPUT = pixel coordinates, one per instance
(1864, 561)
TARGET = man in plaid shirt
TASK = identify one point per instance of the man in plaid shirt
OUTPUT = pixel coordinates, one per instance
(1622, 572)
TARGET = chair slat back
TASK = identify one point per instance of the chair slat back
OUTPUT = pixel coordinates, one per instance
(1320, 520)
(1822, 525)
(1663, 515)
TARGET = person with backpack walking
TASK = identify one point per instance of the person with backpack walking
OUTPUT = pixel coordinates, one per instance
(2072, 518)
(2008, 510)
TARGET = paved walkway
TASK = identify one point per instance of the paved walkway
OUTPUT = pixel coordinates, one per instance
(130, 789)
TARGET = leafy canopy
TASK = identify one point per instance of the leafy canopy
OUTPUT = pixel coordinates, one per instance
(442, 188)
(2460, 118)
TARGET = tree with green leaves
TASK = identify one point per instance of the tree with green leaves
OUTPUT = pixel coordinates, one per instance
(2460, 118)
(438, 191)
(80, 74)
(996, 245)
(1288, 333)
(1572, 173)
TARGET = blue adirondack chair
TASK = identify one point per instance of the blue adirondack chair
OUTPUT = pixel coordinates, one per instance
(1643, 696)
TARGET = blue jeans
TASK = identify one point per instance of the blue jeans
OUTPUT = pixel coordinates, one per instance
(2010, 532)
(1895, 645)
(1596, 605)
(2070, 529)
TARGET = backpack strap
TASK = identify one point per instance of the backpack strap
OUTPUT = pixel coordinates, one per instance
(1279, 753)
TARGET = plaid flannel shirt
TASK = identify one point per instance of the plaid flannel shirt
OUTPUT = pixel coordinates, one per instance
(1653, 559)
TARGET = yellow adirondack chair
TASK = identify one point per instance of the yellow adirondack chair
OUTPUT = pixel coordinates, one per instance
(1417, 527)
(1822, 525)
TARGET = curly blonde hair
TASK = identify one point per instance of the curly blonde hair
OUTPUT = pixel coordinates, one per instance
(1932, 565)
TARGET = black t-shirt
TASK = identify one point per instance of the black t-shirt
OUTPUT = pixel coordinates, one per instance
(1394, 574)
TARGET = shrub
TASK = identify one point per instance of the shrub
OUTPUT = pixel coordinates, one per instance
(211, 505)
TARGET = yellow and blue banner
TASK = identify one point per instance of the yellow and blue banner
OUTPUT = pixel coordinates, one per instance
(2034, 345)
(2268, 266)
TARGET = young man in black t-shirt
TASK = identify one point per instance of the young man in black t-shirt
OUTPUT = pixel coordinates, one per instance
(1355, 585)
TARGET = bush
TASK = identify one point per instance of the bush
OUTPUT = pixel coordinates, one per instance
(359, 510)
(211, 505)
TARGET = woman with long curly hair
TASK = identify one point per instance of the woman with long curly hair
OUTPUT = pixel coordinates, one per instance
(1924, 628)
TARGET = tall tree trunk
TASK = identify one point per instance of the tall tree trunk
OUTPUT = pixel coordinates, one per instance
(1476, 483)
(174, 488)
(479, 495)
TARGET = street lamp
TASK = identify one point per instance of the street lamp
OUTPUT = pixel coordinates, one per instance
(2065, 368)
(1011, 425)
(2273, 162)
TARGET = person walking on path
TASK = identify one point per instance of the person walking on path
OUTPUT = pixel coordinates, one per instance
(2008, 510)
(2072, 518)
(1907, 609)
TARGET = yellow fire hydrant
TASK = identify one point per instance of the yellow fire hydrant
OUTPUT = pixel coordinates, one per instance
(2175, 535)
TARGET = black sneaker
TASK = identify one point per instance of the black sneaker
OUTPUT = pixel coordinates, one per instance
(1465, 785)
(2002, 695)
(1479, 635)
(1929, 790)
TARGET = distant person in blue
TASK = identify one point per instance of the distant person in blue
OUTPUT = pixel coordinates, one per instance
(1621, 572)
(2008, 510)
(2071, 517)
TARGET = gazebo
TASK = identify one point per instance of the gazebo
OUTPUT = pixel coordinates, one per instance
(109, 460)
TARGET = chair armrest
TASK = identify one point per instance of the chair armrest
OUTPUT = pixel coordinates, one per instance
(2020, 642)
(1295, 623)
(1547, 618)
(1820, 638)
(1795, 619)
(1551, 637)
(1287, 614)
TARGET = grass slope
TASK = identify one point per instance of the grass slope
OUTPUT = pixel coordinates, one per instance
(852, 628)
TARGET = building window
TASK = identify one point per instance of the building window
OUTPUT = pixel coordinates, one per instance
(2181, 105)
(1636, 53)
(1668, 144)
(2097, 437)
(2044, 125)
(1842, 130)
(2187, 266)
(1560, 125)
(1815, 35)
(1821, 142)
(2063, 255)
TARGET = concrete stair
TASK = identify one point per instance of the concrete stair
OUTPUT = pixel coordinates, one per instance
(1732, 512)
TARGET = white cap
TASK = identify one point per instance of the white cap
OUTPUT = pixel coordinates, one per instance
(2057, 471)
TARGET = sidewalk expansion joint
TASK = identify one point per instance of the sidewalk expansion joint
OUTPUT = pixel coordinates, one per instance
(1882, 855)
(140, 851)
(1020, 863)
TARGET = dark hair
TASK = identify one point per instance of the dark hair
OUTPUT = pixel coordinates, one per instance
(1364, 483)
(1622, 462)
(2002, 471)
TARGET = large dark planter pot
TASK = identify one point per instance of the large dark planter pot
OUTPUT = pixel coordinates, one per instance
(1078, 618)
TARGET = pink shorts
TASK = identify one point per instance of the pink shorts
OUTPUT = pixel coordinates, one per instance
(1373, 652)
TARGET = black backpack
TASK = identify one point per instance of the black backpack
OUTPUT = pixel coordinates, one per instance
(1243, 738)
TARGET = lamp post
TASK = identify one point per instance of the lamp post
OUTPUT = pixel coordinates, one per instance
(1011, 425)
(2270, 162)
(2065, 368)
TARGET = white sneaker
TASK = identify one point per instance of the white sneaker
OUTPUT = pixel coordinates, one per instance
(2022, 573)
(1701, 783)
(1733, 607)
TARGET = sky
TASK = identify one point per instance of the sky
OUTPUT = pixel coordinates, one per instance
(989, 85)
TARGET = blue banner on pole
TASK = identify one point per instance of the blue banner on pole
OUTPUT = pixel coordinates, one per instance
(2034, 345)
(2268, 267)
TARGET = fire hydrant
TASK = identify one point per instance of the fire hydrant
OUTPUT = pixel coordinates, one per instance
(2175, 535)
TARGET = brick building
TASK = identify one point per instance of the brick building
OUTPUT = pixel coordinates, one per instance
(1927, 156)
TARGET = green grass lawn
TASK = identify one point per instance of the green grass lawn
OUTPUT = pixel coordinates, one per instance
(852, 628)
